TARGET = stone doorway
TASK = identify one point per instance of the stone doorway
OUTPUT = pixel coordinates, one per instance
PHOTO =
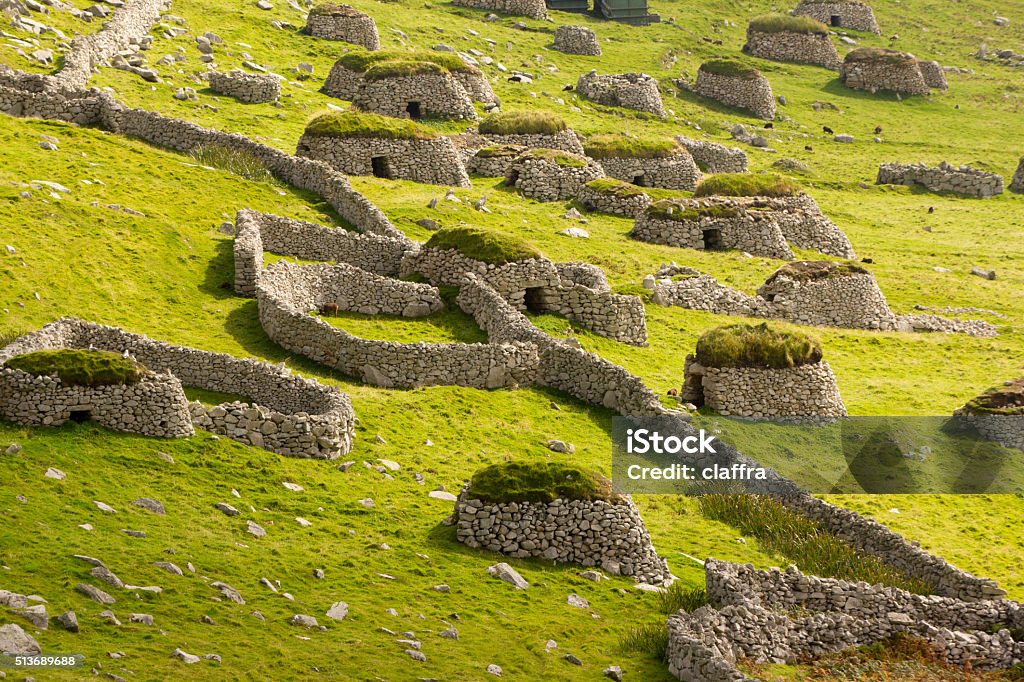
(712, 239)
(836, 20)
(80, 416)
(381, 167)
(638, 180)
(532, 300)
(413, 109)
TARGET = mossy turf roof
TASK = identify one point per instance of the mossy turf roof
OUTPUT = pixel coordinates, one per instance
(522, 123)
(335, 9)
(880, 55)
(354, 123)
(617, 188)
(612, 146)
(1005, 400)
(482, 244)
(684, 211)
(787, 23)
(731, 68)
(539, 482)
(362, 60)
(816, 270)
(77, 367)
(761, 346)
(747, 185)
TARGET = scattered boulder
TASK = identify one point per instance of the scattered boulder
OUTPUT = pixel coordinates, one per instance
(185, 657)
(150, 504)
(14, 640)
(338, 611)
(69, 621)
(505, 572)
(304, 621)
(94, 593)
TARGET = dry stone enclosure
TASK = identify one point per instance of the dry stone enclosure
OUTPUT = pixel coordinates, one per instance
(530, 129)
(942, 178)
(998, 414)
(712, 157)
(876, 68)
(736, 85)
(246, 87)
(369, 144)
(494, 161)
(783, 38)
(534, 9)
(551, 174)
(630, 90)
(577, 40)
(335, 21)
(645, 162)
(838, 14)
(607, 195)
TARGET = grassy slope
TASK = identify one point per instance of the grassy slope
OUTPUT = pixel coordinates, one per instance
(161, 275)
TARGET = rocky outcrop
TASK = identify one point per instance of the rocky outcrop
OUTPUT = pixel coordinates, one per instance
(630, 90)
(576, 40)
(855, 15)
(551, 175)
(534, 9)
(250, 88)
(942, 178)
(746, 89)
(431, 160)
(791, 46)
(345, 23)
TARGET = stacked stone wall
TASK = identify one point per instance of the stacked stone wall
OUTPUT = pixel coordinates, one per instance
(612, 202)
(577, 40)
(438, 95)
(855, 15)
(250, 88)
(495, 165)
(678, 171)
(942, 178)
(546, 180)
(750, 92)
(566, 140)
(852, 301)
(902, 76)
(432, 161)
(934, 75)
(712, 157)
(350, 26)
(534, 9)
(630, 90)
(789, 46)
(614, 316)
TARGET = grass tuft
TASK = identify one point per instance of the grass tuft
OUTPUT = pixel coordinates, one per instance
(746, 345)
(787, 23)
(77, 367)
(539, 482)
(482, 244)
(612, 146)
(678, 597)
(361, 124)
(241, 162)
(650, 639)
(747, 185)
(522, 123)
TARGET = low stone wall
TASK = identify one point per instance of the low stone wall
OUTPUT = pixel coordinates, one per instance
(250, 88)
(155, 406)
(712, 157)
(287, 293)
(942, 178)
(296, 417)
(584, 274)
(447, 267)
(257, 232)
(630, 90)
(753, 231)
(348, 25)
(853, 301)
(678, 171)
(576, 40)
(546, 180)
(805, 226)
(855, 15)
(347, 84)
(704, 292)
(494, 165)
(614, 203)
(566, 140)
(934, 75)
(342, 82)
(614, 316)
(586, 532)
(534, 9)
(805, 391)
(789, 46)
(1017, 184)
(750, 92)
(1007, 430)
(433, 95)
(903, 77)
(433, 161)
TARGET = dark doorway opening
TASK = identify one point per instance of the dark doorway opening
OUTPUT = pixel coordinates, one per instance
(533, 300)
(381, 167)
(770, 298)
(835, 19)
(638, 180)
(80, 416)
(712, 240)
(413, 109)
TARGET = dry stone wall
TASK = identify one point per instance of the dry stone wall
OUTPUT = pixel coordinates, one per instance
(704, 292)
(614, 316)
(855, 15)
(630, 90)
(342, 82)
(853, 301)
(942, 178)
(751, 92)
(1016, 185)
(544, 179)
(678, 171)
(790, 46)
(432, 161)
(566, 140)
(250, 88)
(893, 75)
(447, 267)
(577, 40)
(1007, 430)
(613, 202)
(429, 95)
(347, 24)
(293, 416)
(534, 9)
(712, 157)
(587, 532)
(934, 75)
(805, 226)
(494, 163)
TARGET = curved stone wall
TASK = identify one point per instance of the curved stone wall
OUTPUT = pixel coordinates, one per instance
(678, 171)
(942, 178)
(432, 161)
(534, 9)
(348, 25)
(853, 301)
(805, 226)
(546, 180)
(566, 140)
(494, 163)
(903, 77)
(476, 84)
(630, 90)
(290, 415)
(712, 157)
(586, 532)
(342, 82)
(704, 292)
(612, 202)
(789, 46)
(250, 88)
(934, 75)
(805, 391)
(576, 40)
(447, 267)
(752, 92)
(855, 15)
(430, 95)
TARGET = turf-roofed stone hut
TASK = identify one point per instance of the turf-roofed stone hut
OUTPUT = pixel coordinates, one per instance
(736, 85)
(577, 40)
(534, 9)
(630, 90)
(828, 294)
(559, 512)
(998, 414)
(530, 129)
(369, 144)
(644, 162)
(839, 14)
(494, 161)
(50, 387)
(551, 174)
(349, 79)
(759, 371)
(608, 195)
(250, 88)
(334, 21)
(785, 38)
(878, 68)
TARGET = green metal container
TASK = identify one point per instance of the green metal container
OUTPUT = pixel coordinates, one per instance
(627, 11)
(579, 6)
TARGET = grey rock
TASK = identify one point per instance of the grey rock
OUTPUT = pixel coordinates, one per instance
(338, 611)
(578, 601)
(150, 504)
(14, 640)
(94, 593)
(227, 509)
(228, 592)
(613, 672)
(140, 618)
(55, 474)
(572, 659)
(107, 576)
(505, 572)
(304, 621)
(169, 567)
(69, 621)
(185, 657)
(494, 669)
(255, 529)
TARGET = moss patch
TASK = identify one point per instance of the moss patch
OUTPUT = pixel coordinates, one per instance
(677, 209)
(745, 345)
(539, 482)
(730, 68)
(400, 68)
(335, 9)
(556, 156)
(747, 185)
(613, 146)
(816, 270)
(358, 124)
(522, 123)
(500, 151)
(362, 61)
(77, 367)
(786, 23)
(487, 246)
(881, 55)
(616, 188)
(1003, 400)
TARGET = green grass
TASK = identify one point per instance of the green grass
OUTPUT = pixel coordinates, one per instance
(401, 68)
(76, 367)
(648, 639)
(679, 597)
(787, 23)
(747, 185)
(502, 151)
(241, 162)
(484, 245)
(519, 481)
(883, 55)
(533, 122)
(361, 124)
(675, 209)
(365, 61)
(745, 345)
(612, 146)
(731, 68)
(817, 270)
(450, 325)
(334, 8)
(557, 157)
(617, 188)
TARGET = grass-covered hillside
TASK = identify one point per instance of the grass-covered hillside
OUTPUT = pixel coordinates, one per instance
(116, 231)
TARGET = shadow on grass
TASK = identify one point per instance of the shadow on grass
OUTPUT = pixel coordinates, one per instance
(218, 280)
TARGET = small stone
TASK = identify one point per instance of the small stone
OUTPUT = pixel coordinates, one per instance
(227, 509)
(613, 672)
(304, 621)
(592, 575)
(103, 507)
(55, 474)
(169, 567)
(69, 621)
(442, 588)
(578, 601)
(150, 504)
(293, 486)
(450, 633)
(366, 502)
(318, 573)
(442, 495)
(94, 593)
(575, 232)
(505, 572)
(255, 529)
(338, 611)
(494, 669)
(185, 657)
(843, 138)
(416, 655)
(572, 659)
(12, 449)
(140, 618)
(560, 446)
